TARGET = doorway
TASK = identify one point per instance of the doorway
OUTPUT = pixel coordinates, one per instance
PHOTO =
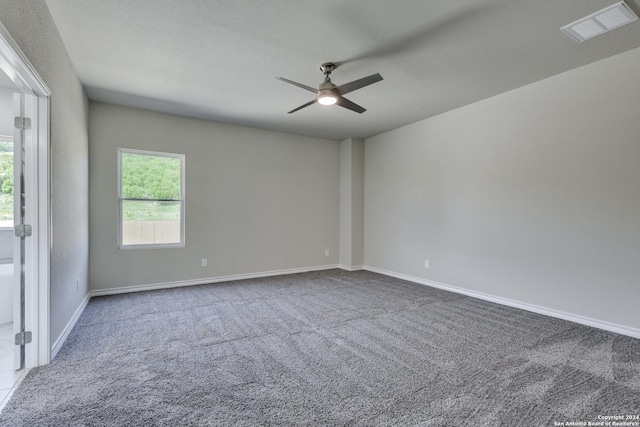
(11, 304)
(24, 217)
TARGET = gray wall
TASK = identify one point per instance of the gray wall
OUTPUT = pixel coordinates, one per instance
(532, 195)
(31, 25)
(351, 202)
(255, 200)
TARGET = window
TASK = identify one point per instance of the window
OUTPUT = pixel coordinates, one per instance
(150, 199)
(6, 181)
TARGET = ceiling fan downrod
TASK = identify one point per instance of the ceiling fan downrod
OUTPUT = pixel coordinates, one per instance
(326, 69)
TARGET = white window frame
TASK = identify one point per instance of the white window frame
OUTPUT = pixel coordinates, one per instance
(181, 244)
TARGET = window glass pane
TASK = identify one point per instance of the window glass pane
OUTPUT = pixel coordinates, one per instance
(6, 184)
(151, 222)
(150, 177)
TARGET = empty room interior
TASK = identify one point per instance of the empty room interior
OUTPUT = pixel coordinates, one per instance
(361, 213)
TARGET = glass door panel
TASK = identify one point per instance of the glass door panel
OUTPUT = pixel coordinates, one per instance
(19, 240)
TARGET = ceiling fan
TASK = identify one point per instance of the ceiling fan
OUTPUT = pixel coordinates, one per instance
(329, 94)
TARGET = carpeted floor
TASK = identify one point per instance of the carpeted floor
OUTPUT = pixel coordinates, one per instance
(329, 348)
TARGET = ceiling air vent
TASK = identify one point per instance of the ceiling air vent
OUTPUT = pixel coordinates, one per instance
(602, 21)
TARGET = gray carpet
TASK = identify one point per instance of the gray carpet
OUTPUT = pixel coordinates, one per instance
(329, 348)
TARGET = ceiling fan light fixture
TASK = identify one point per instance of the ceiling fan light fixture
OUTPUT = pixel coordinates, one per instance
(327, 97)
(330, 94)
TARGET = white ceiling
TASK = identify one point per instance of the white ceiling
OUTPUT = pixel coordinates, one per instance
(218, 59)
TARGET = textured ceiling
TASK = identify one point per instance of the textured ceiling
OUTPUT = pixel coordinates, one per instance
(218, 59)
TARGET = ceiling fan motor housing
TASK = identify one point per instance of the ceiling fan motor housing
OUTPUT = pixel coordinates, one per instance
(327, 86)
(327, 93)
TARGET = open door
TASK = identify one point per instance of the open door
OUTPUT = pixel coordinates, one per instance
(32, 213)
(22, 231)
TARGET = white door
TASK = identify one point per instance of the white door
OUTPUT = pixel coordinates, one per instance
(21, 232)
(31, 180)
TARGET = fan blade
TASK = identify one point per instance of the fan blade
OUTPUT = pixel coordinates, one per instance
(357, 84)
(303, 106)
(419, 38)
(344, 102)
(310, 89)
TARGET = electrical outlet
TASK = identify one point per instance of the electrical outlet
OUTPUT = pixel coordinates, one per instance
(326, 252)
(204, 262)
(426, 263)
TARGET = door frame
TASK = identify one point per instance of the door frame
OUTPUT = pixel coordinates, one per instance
(37, 106)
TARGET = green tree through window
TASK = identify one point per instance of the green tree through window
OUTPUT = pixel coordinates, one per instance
(151, 199)
(6, 182)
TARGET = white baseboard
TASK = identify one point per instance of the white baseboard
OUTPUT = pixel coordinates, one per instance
(139, 288)
(600, 324)
(181, 283)
(351, 267)
(57, 345)
(576, 318)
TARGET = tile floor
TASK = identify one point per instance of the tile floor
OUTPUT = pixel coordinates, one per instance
(9, 377)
